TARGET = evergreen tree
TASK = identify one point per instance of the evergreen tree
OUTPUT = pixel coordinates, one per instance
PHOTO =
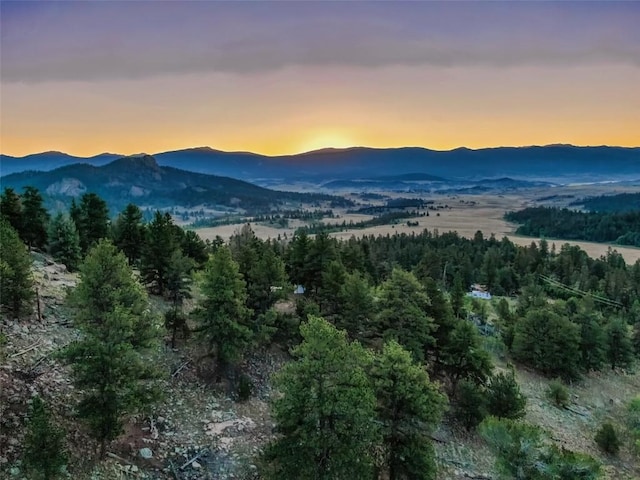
(325, 415)
(457, 297)
(297, 259)
(409, 408)
(356, 309)
(64, 241)
(222, 315)
(470, 404)
(592, 343)
(160, 243)
(322, 251)
(16, 282)
(548, 342)
(11, 209)
(464, 358)
(109, 366)
(619, 346)
(194, 247)
(35, 219)
(91, 218)
(127, 233)
(504, 397)
(178, 288)
(333, 278)
(44, 453)
(402, 315)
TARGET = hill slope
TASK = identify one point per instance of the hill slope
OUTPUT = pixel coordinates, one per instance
(141, 180)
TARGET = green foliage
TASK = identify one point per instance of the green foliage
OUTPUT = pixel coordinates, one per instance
(325, 415)
(471, 404)
(633, 423)
(558, 393)
(548, 342)
(575, 225)
(504, 397)
(35, 219)
(463, 356)
(91, 218)
(44, 452)
(409, 408)
(619, 346)
(457, 297)
(11, 208)
(64, 241)
(127, 232)
(160, 244)
(522, 454)
(402, 304)
(356, 307)
(16, 282)
(518, 447)
(222, 316)
(607, 439)
(109, 365)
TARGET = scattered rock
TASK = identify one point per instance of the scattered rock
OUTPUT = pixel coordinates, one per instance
(146, 453)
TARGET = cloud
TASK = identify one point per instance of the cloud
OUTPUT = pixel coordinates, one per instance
(94, 41)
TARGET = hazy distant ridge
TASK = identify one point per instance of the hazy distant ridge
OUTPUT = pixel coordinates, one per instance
(550, 162)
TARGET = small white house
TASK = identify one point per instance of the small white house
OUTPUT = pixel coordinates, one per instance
(299, 290)
(479, 294)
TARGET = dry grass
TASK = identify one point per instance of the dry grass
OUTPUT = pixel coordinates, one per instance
(466, 214)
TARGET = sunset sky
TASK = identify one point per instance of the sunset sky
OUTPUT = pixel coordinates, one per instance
(286, 77)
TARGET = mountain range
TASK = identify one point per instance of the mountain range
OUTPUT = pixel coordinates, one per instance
(557, 163)
(140, 180)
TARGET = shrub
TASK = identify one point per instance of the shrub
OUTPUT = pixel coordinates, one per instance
(504, 397)
(558, 393)
(607, 439)
(44, 453)
(471, 404)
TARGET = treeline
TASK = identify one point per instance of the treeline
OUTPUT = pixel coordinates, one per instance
(381, 341)
(623, 202)
(280, 218)
(384, 219)
(620, 228)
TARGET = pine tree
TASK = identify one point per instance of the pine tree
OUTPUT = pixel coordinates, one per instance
(619, 346)
(11, 208)
(325, 416)
(64, 241)
(457, 297)
(548, 342)
(160, 243)
(409, 408)
(44, 453)
(470, 404)
(178, 288)
(222, 315)
(16, 281)
(402, 315)
(463, 356)
(109, 363)
(91, 218)
(356, 308)
(127, 233)
(504, 397)
(35, 219)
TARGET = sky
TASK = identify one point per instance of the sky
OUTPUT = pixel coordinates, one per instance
(286, 77)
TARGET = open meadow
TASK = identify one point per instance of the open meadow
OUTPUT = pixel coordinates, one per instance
(465, 214)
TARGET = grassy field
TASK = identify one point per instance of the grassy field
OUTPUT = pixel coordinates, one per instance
(465, 214)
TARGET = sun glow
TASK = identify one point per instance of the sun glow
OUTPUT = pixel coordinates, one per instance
(326, 139)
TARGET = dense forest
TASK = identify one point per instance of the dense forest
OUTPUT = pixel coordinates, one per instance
(382, 347)
(565, 224)
(622, 202)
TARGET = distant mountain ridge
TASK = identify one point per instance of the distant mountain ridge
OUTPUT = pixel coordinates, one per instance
(551, 163)
(139, 179)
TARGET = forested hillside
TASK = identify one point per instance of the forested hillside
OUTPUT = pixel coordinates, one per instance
(565, 224)
(379, 361)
